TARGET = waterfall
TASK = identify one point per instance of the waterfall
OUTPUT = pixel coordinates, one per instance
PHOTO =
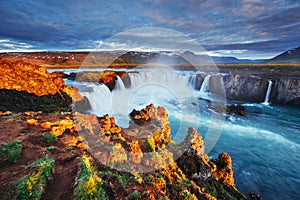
(205, 85)
(192, 80)
(171, 80)
(99, 99)
(204, 89)
(165, 88)
(119, 84)
(267, 98)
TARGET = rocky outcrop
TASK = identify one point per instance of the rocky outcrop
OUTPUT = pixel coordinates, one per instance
(108, 78)
(239, 87)
(285, 91)
(29, 87)
(145, 148)
(230, 109)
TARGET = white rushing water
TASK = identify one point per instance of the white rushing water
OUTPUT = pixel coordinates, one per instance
(204, 89)
(166, 88)
(119, 84)
(267, 98)
(192, 80)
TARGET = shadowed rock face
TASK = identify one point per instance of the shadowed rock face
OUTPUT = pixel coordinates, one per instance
(286, 91)
(254, 89)
(239, 87)
(21, 101)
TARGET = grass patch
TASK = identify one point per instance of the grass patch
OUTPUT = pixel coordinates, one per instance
(123, 178)
(32, 186)
(133, 196)
(50, 148)
(50, 138)
(90, 185)
(11, 151)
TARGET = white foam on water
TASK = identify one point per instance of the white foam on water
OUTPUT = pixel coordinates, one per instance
(246, 131)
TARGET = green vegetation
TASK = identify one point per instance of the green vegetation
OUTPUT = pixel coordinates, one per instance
(68, 148)
(150, 145)
(133, 196)
(90, 185)
(188, 196)
(50, 138)
(32, 186)
(50, 148)
(123, 178)
(11, 151)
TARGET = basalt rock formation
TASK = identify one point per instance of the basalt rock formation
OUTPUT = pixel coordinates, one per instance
(29, 87)
(145, 149)
(247, 88)
(239, 87)
(286, 91)
(230, 109)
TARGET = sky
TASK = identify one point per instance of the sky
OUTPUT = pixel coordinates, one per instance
(240, 28)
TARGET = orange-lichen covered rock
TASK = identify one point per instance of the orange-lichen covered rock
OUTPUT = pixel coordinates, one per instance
(223, 169)
(117, 154)
(29, 87)
(60, 127)
(159, 159)
(32, 122)
(151, 126)
(135, 154)
(195, 140)
(87, 122)
(173, 173)
(106, 77)
(201, 192)
(191, 176)
(28, 77)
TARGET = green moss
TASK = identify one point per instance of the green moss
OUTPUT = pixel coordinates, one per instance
(12, 151)
(50, 138)
(133, 196)
(50, 148)
(150, 145)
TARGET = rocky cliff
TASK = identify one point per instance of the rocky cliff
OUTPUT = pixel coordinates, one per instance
(29, 87)
(285, 91)
(247, 88)
(239, 87)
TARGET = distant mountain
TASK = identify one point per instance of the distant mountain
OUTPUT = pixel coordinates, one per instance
(183, 57)
(292, 55)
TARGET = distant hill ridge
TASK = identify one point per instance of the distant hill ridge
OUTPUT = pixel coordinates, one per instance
(139, 57)
(292, 55)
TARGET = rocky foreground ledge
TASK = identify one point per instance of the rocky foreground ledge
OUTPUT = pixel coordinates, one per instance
(93, 158)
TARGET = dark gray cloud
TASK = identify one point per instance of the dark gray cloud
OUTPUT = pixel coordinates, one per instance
(246, 28)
